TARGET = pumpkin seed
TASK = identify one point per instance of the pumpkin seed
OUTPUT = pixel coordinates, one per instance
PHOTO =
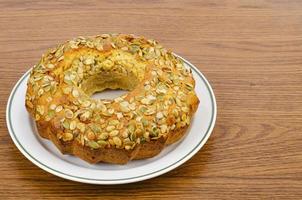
(73, 125)
(113, 122)
(81, 127)
(93, 144)
(51, 114)
(131, 128)
(125, 134)
(119, 115)
(67, 137)
(110, 128)
(133, 136)
(163, 128)
(75, 93)
(90, 135)
(68, 113)
(40, 109)
(124, 106)
(52, 106)
(145, 122)
(103, 136)
(113, 133)
(178, 102)
(89, 61)
(102, 143)
(95, 128)
(117, 141)
(185, 109)
(154, 132)
(29, 104)
(110, 111)
(142, 109)
(85, 115)
(86, 103)
(40, 92)
(159, 115)
(146, 134)
(67, 90)
(66, 124)
(189, 86)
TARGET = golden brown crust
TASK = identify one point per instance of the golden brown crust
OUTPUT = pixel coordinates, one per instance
(156, 112)
(116, 156)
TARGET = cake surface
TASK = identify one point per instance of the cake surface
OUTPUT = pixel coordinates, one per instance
(155, 112)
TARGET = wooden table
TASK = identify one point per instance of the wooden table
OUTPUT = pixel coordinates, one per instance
(251, 52)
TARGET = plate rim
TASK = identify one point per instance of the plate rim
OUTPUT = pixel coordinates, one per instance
(115, 181)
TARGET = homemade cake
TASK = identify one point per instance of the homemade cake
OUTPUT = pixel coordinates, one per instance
(155, 112)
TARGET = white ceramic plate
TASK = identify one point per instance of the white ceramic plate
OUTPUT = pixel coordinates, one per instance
(46, 156)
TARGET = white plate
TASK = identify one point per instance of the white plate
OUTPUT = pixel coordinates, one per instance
(46, 156)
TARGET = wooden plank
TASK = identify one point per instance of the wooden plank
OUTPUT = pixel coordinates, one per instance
(249, 50)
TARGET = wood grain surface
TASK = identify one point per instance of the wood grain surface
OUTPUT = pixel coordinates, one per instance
(250, 51)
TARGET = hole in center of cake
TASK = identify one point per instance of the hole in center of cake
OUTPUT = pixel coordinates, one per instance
(108, 76)
(108, 85)
(109, 94)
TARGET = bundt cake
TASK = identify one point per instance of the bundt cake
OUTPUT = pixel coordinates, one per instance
(155, 112)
